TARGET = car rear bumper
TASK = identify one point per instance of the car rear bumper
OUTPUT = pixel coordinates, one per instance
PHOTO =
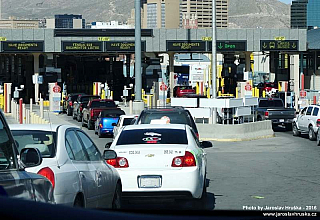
(185, 182)
(281, 121)
(106, 130)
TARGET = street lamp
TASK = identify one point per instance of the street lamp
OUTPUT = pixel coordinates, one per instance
(214, 61)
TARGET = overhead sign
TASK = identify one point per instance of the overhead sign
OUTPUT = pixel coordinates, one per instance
(104, 38)
(77, 46)
(186, 46)
(3, 39)
(22, 46)
(274, 45)
(123, 46)
(230, 45)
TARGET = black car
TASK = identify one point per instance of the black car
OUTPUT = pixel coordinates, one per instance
(68, 102)
(173, 115)
(14, 180)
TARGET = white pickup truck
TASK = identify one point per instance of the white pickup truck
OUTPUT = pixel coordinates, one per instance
(307, 122)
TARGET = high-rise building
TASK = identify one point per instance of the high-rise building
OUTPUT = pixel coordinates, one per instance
(299, 14)
(313, 18)
(66, 21)
(161, 14)
(199, 13)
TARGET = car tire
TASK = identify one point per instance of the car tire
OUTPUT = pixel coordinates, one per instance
(311, 134)
(117, 198)
(200, 203)
(89, 125)
(288, 127)
(295, 130)
(69, 112)
(83, 124)
(318, 139)
(78, 117)
(78, 202)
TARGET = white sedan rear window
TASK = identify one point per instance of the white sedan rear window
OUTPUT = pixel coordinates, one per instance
(153, 136)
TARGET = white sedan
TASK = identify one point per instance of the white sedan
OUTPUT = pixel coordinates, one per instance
(73, 164)
(124, 120)
(164, 161)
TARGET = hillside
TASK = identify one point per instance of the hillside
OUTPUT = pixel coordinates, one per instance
(242, 13)
(94, 10)
(258, 13)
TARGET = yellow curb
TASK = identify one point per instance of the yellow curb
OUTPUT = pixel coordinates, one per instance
(237, 139)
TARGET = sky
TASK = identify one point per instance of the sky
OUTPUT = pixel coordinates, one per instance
(286, 1)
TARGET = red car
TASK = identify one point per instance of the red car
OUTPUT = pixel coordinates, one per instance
(183, 91)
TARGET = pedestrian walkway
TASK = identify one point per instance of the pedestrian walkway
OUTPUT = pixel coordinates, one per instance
(10, 119)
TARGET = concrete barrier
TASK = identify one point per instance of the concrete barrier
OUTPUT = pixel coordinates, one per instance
(239, 132)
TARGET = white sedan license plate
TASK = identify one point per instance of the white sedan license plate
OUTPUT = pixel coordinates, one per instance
(281, 120)
(149, 181)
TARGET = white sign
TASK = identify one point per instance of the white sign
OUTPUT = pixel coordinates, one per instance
(56, 99)
(198, 74)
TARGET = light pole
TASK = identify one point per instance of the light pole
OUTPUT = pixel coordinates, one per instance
(214, 61)
(138, 77)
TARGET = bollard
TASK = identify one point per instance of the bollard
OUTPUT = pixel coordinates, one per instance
(20, 111)
(17, 112)
(41, 107)
(131, 107)
(23, 113)
(314, 100)
(31, 103)
(27, 116)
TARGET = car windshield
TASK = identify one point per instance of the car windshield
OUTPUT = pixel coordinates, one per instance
(7, 157)
(127, 121)
(112, 114)
(271, 103)
(88, 98)
(185, 87)
(171, 117)
(152, 136)
(45, 141)
(102, 104)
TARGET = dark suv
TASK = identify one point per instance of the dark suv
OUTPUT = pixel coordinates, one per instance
(174, 115)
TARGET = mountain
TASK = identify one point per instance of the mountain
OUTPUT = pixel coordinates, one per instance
(94, 10)
(242, 13)
(258, 14)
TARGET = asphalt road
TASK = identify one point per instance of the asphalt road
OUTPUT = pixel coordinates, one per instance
(280, 171)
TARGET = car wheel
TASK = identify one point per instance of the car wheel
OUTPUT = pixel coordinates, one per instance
(68, 112)
(312, 135)
(295, 130)
(288, 127)
(78, 202)
(117, 198)
(82, 123)
(201, 202)
(89, 124)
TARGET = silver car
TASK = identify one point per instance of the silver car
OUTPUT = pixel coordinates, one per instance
(73, 164)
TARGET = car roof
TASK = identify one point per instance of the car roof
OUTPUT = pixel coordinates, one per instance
(101, 100)
(128, 116)
(39, 127)
(155, 126)
(172, 109)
